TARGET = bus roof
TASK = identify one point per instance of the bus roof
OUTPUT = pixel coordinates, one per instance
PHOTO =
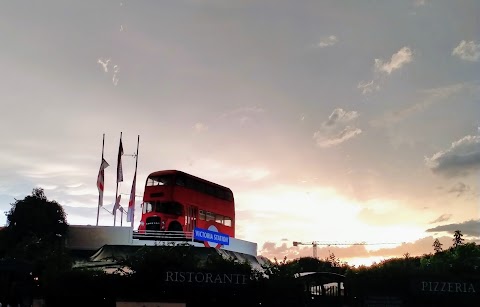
(172, 172)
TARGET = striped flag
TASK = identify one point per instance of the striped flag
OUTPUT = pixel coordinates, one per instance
(100, 180)
(119, 163)
(131, 202)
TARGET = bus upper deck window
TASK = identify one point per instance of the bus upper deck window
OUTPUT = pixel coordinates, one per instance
(180, 181)
(227, 221)
(201, 215)
(209, 190)
(165, 180)
(229, 196)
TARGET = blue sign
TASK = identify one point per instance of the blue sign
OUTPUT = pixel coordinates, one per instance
(201, 234)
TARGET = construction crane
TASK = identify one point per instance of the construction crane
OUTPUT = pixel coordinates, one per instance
(314, 244)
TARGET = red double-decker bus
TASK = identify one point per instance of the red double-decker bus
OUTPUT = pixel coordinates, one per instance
(177, 201)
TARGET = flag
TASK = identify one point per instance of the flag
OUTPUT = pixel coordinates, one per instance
(117, 204)
(131, 202)
(100, 180)
(119, 163)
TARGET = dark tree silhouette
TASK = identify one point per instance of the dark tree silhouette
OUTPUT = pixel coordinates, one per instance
(36, 216)
(34, 240)
(36, 231)
(457, 238)
(437, 246)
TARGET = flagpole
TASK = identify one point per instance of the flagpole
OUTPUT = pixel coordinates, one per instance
(136, 164)
(100, 194)
(116, 190)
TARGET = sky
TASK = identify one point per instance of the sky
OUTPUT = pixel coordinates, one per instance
(332, 121)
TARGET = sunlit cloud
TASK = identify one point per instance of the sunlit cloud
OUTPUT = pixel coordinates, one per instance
(335, 130)
(418, 3)
(104, 64)
(461, 159)
(340, 116)
(459, 189)
(74, 185)
(328, 41)
(441, 218)
(242, 115)
(382, 69)
(49, 187)
(430, 97)
(397, 61)
(226, 173)
(368, 87)
(247, 109)
(467, 51)
(335, 139)
(200, 127)
(116, 70)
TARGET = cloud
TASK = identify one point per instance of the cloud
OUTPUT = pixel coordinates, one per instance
(461, 159)
(368, 87)
(469, 228)
(327, 42)
(459, 188)
(399, 59)
(441, 218)
(467, 51)
(200, 127)
(104, 64)
(336, 130)
(339, 115)
(383, 68)
(430, 97)
(116, 70)
(243, 110)
(418, 3)
(243, 115)
(331, 140)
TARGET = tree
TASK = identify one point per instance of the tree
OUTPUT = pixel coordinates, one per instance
(36, 216)
(34, 240)
(36, 231)
(437, 246)
(457, 238)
